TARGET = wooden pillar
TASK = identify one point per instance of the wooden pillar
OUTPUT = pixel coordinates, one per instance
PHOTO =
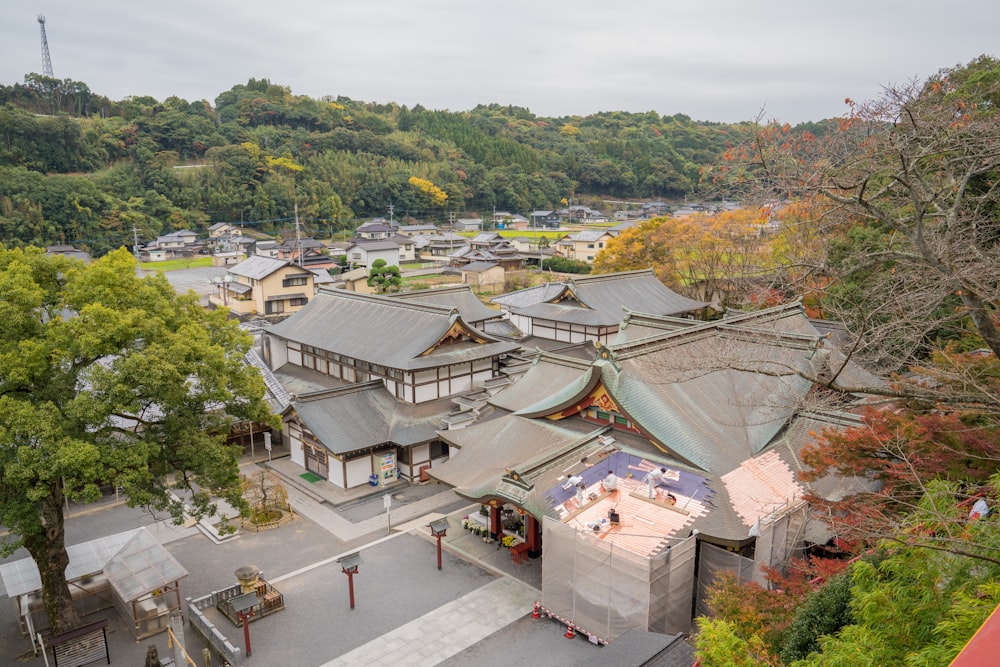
(496, 522)
(533, 536)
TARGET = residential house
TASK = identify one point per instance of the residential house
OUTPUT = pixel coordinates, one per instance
(375, 230)
(68, 251)
(440, 246)
(590, 308)
(306, 252)
(650, 464)
(654, 209)
(546, 219)
(263, 285)
(622, 226)
(417, 230)
(183, 243)
(222, 230)
(488, 247)
(407, 248)
(583, 246)
(364, 253)
(266, 248)
(581, 214)
(354, 280)
(468, 225)
(487, 276)
(374, 378)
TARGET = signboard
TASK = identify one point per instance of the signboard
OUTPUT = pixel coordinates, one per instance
(513, 486)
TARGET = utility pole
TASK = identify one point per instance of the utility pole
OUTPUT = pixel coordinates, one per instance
(46, 59)
(298, 234)
(391, 209)
(135, 249)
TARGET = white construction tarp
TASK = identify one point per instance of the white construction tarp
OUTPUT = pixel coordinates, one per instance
(606, 590)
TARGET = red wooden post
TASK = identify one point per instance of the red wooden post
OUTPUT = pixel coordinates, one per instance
(350, 586)
(439, 551)
(245, 617)
(533, 536)
(496, 522)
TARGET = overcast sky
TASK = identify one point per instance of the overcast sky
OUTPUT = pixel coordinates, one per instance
(718, 60)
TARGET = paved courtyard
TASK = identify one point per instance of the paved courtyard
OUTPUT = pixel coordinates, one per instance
(475, 611)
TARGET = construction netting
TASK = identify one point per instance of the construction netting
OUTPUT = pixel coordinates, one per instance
(781, 534)
(604, 589)
(712, 561)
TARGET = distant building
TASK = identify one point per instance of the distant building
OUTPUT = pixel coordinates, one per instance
(364, 253)
(183, 243)
(488, 247)
(484, 275)
(591, 308)
(266, 286)
(546, 219)
(415, 230)
(68, 251)
(468, 225)
(584, 246)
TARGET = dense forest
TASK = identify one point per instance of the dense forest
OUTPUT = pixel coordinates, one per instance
(78, 168)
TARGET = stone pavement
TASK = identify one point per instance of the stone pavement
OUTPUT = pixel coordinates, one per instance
(317, 501)
(446, 631)
(405, 616)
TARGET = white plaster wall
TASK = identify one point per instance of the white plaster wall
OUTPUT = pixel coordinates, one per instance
(358, 471)
(335, 471)
(295, 448)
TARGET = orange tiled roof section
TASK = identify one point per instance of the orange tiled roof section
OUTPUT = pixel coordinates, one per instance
(644, 527)
(761, 485)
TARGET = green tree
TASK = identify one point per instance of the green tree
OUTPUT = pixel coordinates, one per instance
(384, 277)
(111, 379)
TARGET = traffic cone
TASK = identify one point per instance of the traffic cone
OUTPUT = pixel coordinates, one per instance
(570, 632)
(535, 613)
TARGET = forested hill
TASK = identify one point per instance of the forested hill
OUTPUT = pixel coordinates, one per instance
(78, 168)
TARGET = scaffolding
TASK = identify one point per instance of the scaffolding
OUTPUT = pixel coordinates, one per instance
(603, 590)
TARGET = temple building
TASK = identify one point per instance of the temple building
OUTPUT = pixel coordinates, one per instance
(591, 307)
(643, 466)
(371, 380)
(637, 450)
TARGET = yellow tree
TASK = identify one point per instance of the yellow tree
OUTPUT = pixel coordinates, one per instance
(656, 243)
(435, 195)
(727, 259)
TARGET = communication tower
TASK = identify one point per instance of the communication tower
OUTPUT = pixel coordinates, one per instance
(46, 59)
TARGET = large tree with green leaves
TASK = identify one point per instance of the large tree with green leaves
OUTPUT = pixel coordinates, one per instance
(107, 378)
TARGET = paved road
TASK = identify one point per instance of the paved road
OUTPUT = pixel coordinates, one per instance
(198, 280)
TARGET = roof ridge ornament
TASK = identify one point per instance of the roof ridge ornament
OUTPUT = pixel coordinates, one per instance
(604, 353)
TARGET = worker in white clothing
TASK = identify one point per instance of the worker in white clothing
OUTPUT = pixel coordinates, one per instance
(653, 478)
(610, 482)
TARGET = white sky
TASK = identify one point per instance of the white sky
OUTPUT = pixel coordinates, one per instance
(717, 60)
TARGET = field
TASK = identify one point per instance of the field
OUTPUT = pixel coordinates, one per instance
(174, 264)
